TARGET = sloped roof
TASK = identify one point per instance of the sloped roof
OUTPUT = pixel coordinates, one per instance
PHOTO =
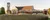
(27, 8)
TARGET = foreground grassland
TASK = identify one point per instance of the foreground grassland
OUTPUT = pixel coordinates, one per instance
(48, 18)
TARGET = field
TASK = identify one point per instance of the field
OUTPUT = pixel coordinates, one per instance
(22, 17)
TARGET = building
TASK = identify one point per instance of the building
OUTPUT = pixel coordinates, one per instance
(25, 9)
(19, 8)
(8, 5)
(8, 8)
(28, 9)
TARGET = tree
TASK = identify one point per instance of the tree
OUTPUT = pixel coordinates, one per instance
(2, 10)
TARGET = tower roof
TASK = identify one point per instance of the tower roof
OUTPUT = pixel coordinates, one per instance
(8, 2)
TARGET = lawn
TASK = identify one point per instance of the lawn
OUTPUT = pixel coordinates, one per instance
(48, 18)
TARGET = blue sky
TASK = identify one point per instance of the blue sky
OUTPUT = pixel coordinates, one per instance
(38, 4)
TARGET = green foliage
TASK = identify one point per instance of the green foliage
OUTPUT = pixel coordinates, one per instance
(2, 10)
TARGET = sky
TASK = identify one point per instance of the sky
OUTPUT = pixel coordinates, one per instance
(37, 4)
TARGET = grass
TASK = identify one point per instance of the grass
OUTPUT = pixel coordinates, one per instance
(20, 17)
(48, 18)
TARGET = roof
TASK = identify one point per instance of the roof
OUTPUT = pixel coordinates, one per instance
(27, 8)
(19, 8)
